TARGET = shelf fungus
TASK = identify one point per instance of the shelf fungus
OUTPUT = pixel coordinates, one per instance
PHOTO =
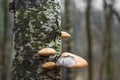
(49, 65)
(69, 60)
(65, 34)
(47, 52)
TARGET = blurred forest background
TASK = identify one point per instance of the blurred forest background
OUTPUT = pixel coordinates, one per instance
(95, 29)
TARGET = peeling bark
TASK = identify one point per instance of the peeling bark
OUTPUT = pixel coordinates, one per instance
(37, 26)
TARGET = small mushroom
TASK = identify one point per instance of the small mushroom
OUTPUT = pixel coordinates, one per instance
(65, 34)
(49, 65)
(70, 60)
(47, 52)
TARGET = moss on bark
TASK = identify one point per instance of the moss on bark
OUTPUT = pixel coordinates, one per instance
(37, 26)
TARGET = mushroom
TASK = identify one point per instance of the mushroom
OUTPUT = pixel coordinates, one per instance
(47, 52)
(70, 60)
(65, 34)
(49, 65)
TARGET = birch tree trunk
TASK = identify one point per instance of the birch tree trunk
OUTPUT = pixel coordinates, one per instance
(37, 26)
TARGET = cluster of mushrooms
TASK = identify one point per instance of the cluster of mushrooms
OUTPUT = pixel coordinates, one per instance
(66, 60)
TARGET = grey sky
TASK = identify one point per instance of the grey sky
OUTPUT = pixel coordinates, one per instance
(96, 4)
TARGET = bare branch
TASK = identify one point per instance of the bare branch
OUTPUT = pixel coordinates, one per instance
(110, 6)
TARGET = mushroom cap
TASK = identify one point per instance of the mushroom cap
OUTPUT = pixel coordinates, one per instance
(65, 34)
(49, 65)
(70, 60)
(47, 52)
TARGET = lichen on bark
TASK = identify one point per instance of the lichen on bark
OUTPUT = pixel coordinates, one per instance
(36, 25)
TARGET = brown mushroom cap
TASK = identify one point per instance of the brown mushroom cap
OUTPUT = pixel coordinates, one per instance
(49, 65)
(70, 60)
(65, 34)
(47, 52)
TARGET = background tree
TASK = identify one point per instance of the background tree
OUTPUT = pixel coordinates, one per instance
(3, 59)
(107, 62)
(67, 43)
(89, 40)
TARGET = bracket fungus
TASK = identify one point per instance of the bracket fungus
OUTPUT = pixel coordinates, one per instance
(49, 65)
(70, 60)
(65, 34)
(47, 52)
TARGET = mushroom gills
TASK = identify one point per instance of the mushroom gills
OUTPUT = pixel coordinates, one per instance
(66, 61)
(70, 60)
